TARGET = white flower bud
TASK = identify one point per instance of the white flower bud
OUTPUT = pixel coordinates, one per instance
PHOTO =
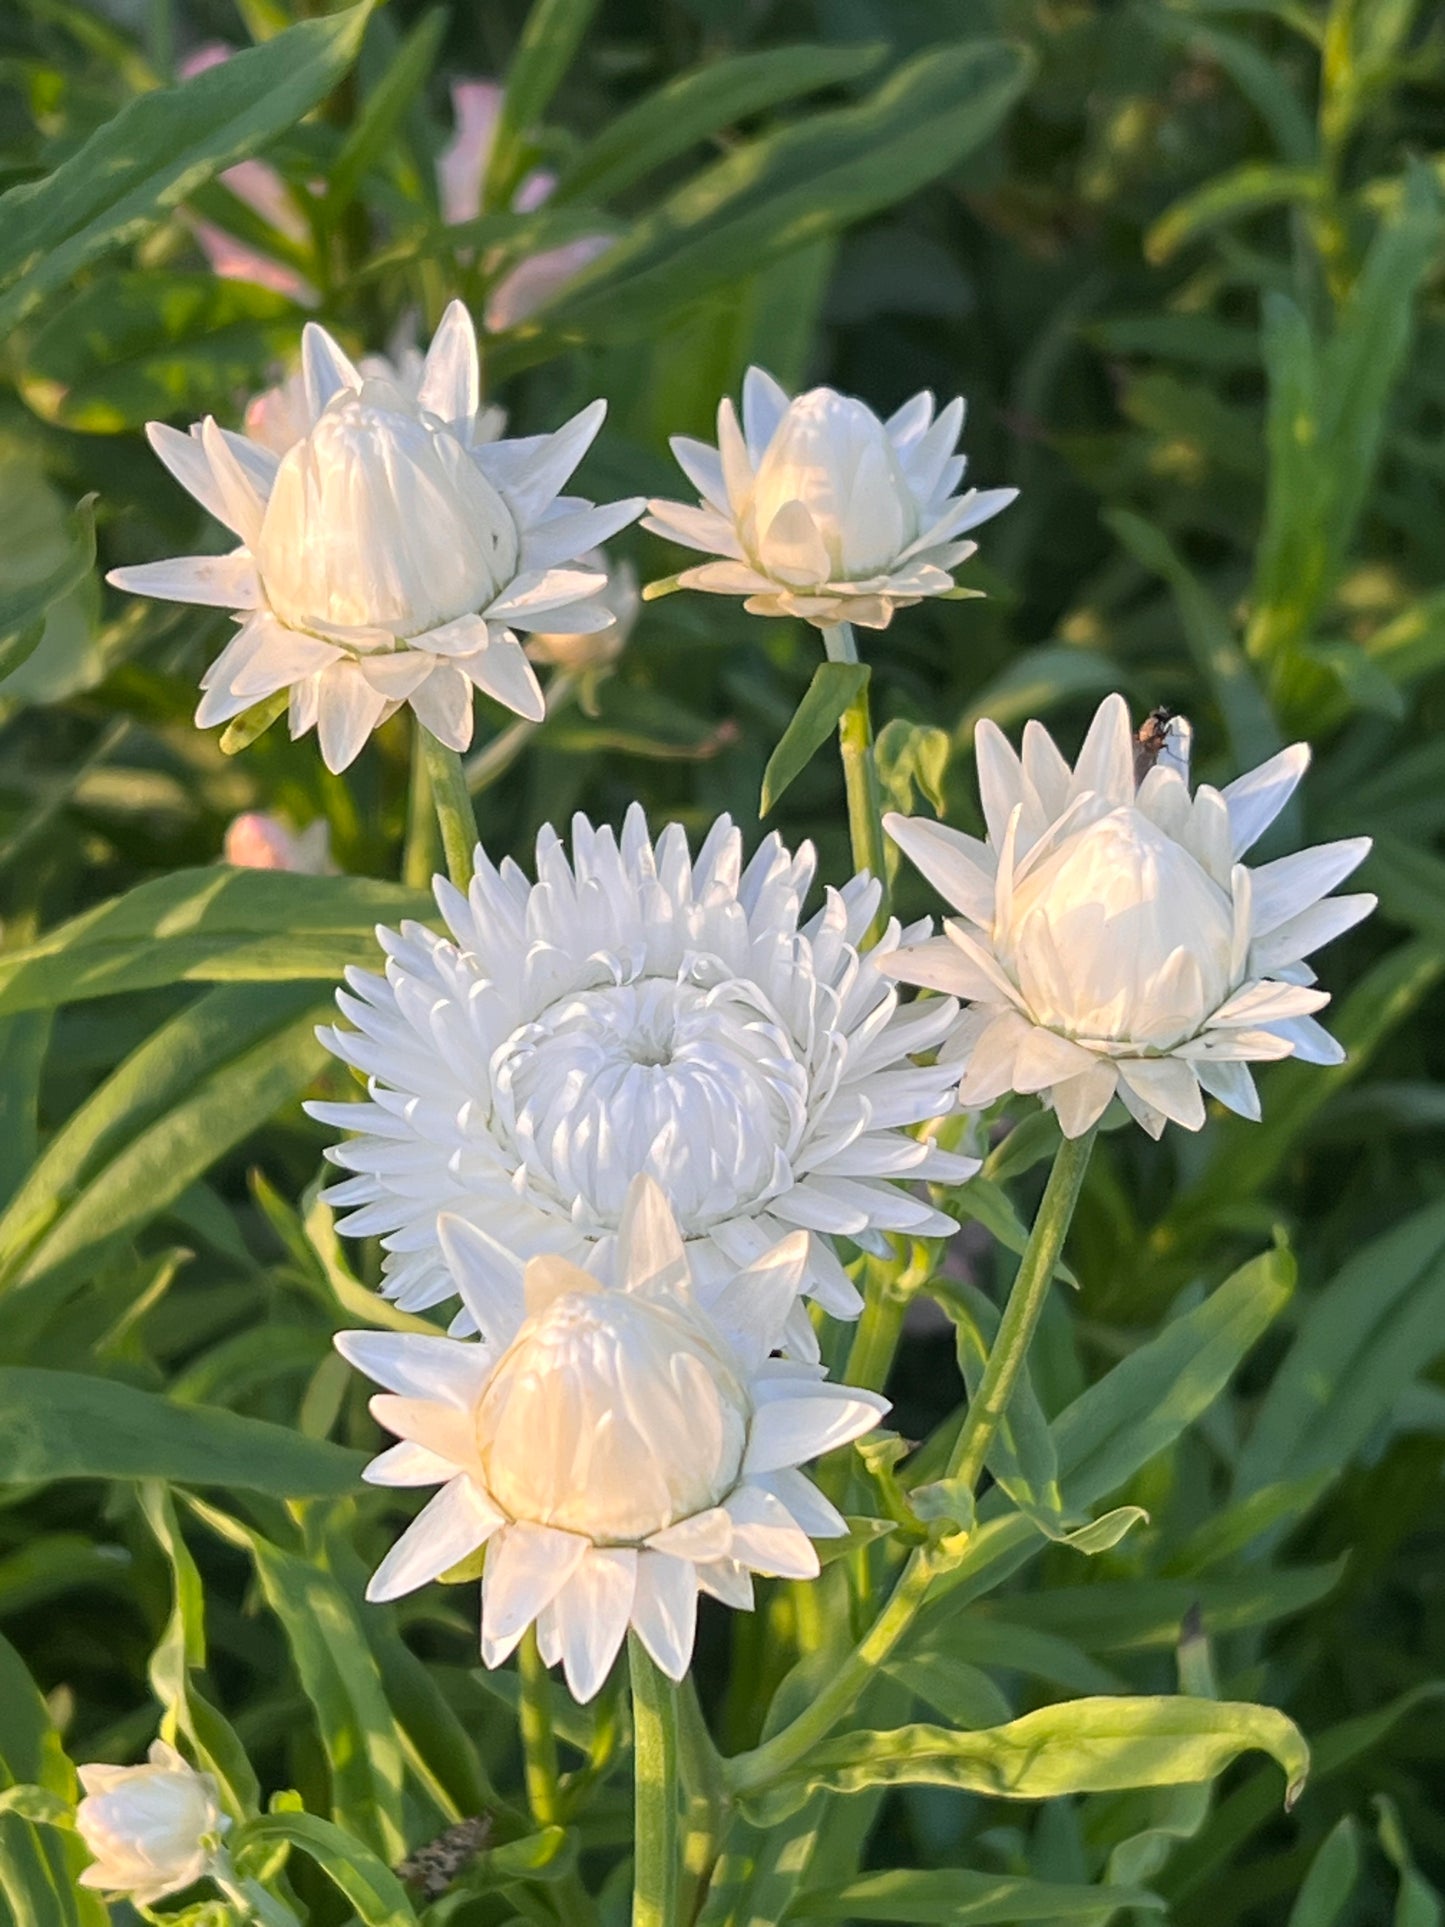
(833, 455)
(153, 1829)
(613, 1417)
(1110, 941)
(380, 519)
(1120, 900)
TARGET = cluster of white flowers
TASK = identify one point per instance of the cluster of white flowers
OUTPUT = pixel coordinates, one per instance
(626, 1109)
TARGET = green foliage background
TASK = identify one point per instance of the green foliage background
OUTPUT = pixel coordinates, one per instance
(1184, 260)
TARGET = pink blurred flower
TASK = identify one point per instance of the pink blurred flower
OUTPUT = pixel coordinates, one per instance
(265, 193)
(260, 841)
(461, 170)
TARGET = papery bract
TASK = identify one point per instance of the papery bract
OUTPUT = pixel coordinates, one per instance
(636, 1009)
(1111, 940)
(152, 1829)
(819, 509)
(614, 1446)
(599, 649)
(388, 555)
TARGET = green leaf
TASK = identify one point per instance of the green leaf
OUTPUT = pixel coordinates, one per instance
(1373, 1328)
(23, 606)
(1327, 1888)
(549, 40)
(343, 1683)
(1037, 681)
(960, 1693)
(198, 1086)
(160, 147)
(1132, 1615)
(373, 1891)
(1231, 196)
(181, 1650)
(64, 1425)
(24, 1040)
(131, 348)
(1078, 1746)
(213, 925)
(1417, 1904)
(1255, 1804)
(1141, 1406)
(382, 113)
(690, 108)
(834, 687)
(789, 188)
(38, 1869)
(955, 1897)
(912, 757)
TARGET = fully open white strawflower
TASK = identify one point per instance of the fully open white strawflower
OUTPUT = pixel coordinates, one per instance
(615, 1447)
(819, 509)
(1111, 940)
(637, 1010)
(153, 1829)
(387, 556)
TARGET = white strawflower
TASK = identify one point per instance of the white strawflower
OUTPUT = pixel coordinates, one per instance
(636, 1010)
(389, 554)
(821, 510)
(615, 1447)
(1111, 940)
(576, 654)
(153, 1829)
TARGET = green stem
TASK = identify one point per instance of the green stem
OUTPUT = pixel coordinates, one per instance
(539, 1741)
(1025, 1304)
(860, 775)
(654, 1743)
(842, 1690)
(453, 805)
(422, 846)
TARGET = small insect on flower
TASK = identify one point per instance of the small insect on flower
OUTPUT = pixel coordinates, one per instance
(153, 1829)
(614, 1446)
(1110, 940)
(816, 508)
(389, 554)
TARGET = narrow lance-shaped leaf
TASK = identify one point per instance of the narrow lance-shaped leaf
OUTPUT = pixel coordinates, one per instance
(373, 1891)
(146, 159)
(23, 608)
(834, 686)
(65, 1425)
(1078, 1746)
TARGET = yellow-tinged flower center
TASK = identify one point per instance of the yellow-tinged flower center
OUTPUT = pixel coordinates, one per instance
(612, 1417)
(1120, 935)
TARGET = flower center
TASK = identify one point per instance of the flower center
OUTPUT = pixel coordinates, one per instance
(700, 1088)
(833, 455)
(1120, 936)
(379, 519)
(613, 1417)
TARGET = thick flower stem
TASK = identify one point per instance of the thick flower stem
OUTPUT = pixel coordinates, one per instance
(1025, 1304)
(654, 1743)
(860, 775)
(750, 1771)
(539, 1742)
(453, 805)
